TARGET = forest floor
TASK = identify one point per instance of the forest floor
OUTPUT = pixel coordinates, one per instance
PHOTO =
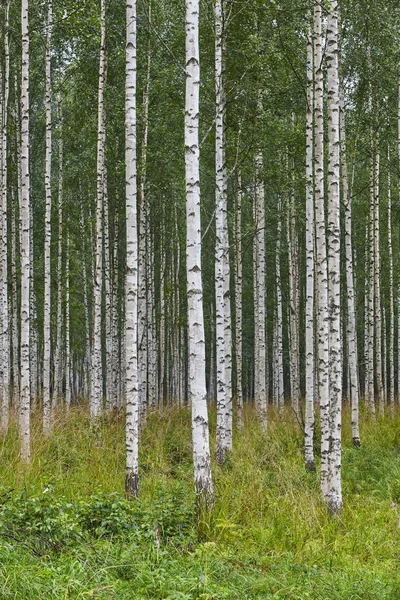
(66, 530)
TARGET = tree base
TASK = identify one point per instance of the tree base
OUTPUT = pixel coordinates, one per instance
(334, 507)
(356, 442)
(132, 484)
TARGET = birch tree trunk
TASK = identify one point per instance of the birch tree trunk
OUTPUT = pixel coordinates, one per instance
(321, 255)
(14, 301)
(238, 307)
(57, 388)
(335, 339)
(143, 316)
(279, 318)
(25, 243)
(260, 389)
(220, 240)
(47, 240)
(310, 242)
(6, 346)
(197, 378)
(391, 295)
(107, 293)
(96, 381)
(377, 286)
(67, 332)
(131, 291)
(370, 289)
(350, 287)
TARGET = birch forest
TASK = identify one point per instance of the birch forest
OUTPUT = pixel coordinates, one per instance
(200, 299)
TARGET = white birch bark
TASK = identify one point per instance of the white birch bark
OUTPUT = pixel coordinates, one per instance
(25, 392)
(294, 308)
(391, 296)
(321, 255)
(131, 291)
(3, 160)
(238, 306)
(256, 371)
(107, 293)
(14, 300)
(260, 389)
(96, 382)
(310, 242)
(47, 227)
(370, 289)
(335, 339)
(115, 311)
(152, 332)
(384, 356)
(377, 286)
(220, 239)
(57, 387)
(351, 329)
(398, 285)
(143, 317)
(212, 376)
(67, 331)
(6, 363)
(279, 318)
(197, 379)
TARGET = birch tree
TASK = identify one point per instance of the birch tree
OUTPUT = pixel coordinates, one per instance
(391, 294)
(96, 367)
(335, 338)
(47, 242)
(6, 346)
(197, 376)
(221, 250)
(238, 305)
(131, 290)
(25, 394)
(351, 329)
(310, 243)
(260, 388)
(321, 255)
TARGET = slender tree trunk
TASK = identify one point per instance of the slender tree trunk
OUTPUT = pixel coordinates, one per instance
(370, 289)
(25, 245)
(197, 378)
(238, 307)
(321, 256)
(143, 316)
(6, 363)
(131, 291)
(351, 329)
(377, 286)
(14, 300)
(96, 380)
(335, 339)
(310, 242)
(260, 389)
(391, 295)
(220, 237)
(279, 318)
(57, 387)
(47, 241)
(107, 294)
(67, 331)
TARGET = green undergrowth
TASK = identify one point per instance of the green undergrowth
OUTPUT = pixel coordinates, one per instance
(67, 531)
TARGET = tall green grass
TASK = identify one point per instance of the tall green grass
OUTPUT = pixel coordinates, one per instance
(66, 530)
